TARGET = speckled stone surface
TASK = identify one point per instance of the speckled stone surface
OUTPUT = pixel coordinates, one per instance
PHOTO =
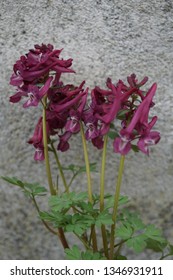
(105, 38)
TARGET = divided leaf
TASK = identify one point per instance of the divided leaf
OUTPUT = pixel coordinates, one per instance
(79, 224)
(13, 180)
(109, 201)
(155, 245)
(138, 243)
(104, 218)
(124, 232)
(33, 189)
(75, 254)
(153, 233)
(66, 200)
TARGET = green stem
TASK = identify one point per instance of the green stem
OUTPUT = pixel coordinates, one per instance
(60, 168)
(45, 224)
(93, 233)
(102, 181)
(102, 189)
(165, 256)
(46, 154)
(86, 164)
(72, 179)
(115, 208)
(48, 170)
(86, 245)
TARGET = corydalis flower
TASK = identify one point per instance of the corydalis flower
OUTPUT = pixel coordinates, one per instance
(75, 115)
(32, 93)
(148, 137)
(139, 128)
(104, 109)
(37, 141)
(37, 64)
(36, 68)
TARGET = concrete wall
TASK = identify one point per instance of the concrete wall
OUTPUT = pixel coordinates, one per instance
(105, 38)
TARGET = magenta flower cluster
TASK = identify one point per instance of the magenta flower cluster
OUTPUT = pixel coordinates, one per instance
(122, 107)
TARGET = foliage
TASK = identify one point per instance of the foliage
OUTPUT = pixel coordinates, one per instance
(34, 189)
(121, 114)
(74, 213)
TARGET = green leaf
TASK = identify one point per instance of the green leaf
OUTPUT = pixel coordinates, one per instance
(39, 84)
(170, 249)
(35, 189)
(87, 207)
(120, 257)
(77, 169)
(79, 223)
(104, 218)
(76, 254)
(112, 134)
(124, 232)
(123, 200)
(154, 233)
(51, 217)
(155, 245)
(122, 114)
(79, 229)
(28, 188)
(132, 219)
(138, 243)
(135, 148)
(109, 201)
(112, 126)
(13, 180)
(90, 255)
(73, 253)
(59, 203)
(56, 218)
(136, 223)
(66, 200)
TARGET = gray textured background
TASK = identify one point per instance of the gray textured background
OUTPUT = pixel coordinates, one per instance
(105, 38)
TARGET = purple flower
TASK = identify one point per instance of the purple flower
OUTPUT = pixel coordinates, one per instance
(122, 145)
(73, 124)
(75, 112)
(68, 99)
(63, 144)
(147, 140)
(113, 104)
(98, 142)
(103, 110)
(34, 68)
(38, 134)
(133, 82)
(148, 137)
(90, 122)
(138, 127)
(37, 141)
(39, 153)
(36, 65)
(35, 94)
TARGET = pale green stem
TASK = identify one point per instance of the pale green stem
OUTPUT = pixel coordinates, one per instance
(102, 181)
(46, 154)
(93, 233)
(60, 168)
(86, 164)
(48, 170)
(102, 190)
(115, 208)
